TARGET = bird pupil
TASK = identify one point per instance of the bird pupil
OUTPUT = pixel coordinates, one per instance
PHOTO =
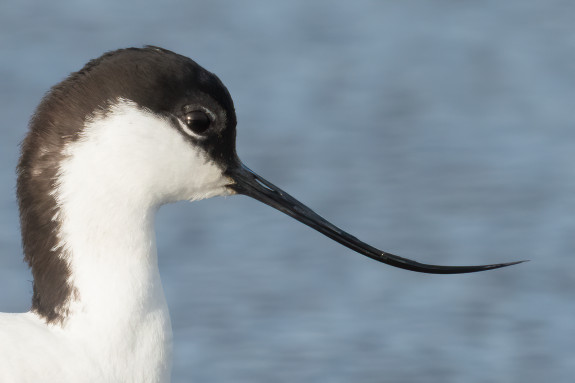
(198, 121)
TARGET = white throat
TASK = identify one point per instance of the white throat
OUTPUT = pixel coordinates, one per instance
(127, 163)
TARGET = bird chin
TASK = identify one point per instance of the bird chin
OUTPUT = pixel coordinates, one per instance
(222, 191)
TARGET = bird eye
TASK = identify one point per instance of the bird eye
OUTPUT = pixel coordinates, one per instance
(198, 121)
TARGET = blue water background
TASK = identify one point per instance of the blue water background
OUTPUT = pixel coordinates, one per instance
(443, 131)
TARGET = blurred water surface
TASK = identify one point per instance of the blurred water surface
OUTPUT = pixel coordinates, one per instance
(442, 131)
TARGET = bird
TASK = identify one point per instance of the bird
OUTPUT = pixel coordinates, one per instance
(132, 130)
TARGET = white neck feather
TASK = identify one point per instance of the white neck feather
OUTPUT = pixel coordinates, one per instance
(127, 163)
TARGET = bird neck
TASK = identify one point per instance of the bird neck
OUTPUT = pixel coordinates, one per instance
(118, 311)
(88, 233)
